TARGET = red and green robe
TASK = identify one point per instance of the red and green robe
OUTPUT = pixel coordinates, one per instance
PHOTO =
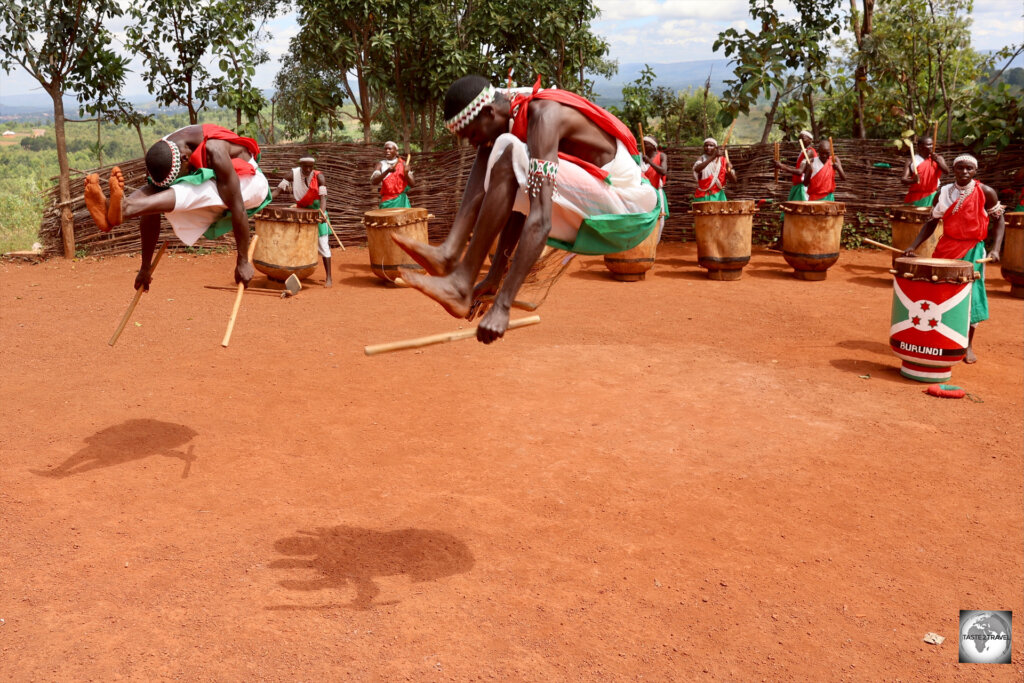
(1020, 201)
(603, 233)
(657, 181)
(823, 181)
(311, 198)
(922, 192)
(711, 180)
(392, 188)
(797, 190)
(964, 230)
(203, 172)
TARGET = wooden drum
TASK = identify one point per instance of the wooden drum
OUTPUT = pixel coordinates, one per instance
(931, 316)
(810, 237)
(1011, 256)
(723, 236)
(386, 257)
(632, 265)
(287, 242)
(906, 222)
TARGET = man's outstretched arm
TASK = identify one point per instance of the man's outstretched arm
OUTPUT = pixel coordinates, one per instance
(219, 157)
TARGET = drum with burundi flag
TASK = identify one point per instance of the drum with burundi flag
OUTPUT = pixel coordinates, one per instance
(931, 316)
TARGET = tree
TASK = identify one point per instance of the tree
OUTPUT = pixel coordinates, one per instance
(786, 58)
(687, 116)
(309, 91)
(65, 46)
(175, 39)
(860, 24)
(638, 102)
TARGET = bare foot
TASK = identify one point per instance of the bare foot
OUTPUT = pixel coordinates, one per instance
(96, 202)
(441, 290)
(970, 358)
(427, 256)
(116, 195)
(328, 283)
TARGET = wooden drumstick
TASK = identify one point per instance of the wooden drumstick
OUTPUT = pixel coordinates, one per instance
(935, 138)
(238, 297)
(987, 259)
(135, 301)
(913, 166)
(442, 338)
(776, 159)
(328, 222)
(832, 150)
(640, 125)
(883, 246)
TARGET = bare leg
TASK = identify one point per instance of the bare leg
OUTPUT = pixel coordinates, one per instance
(506, 245)
(147, 200)
(116, 196)
(970, 358)
(328, 282)
(96, 202)
(440, 259)
(455, 290)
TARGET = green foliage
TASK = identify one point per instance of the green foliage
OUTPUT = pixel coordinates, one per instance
(638, 102)
(783, 60)
(687, 117)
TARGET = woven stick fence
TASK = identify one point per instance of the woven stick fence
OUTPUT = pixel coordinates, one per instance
(868, 191)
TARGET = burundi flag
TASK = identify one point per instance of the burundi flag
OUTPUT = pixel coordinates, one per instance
(930, 324)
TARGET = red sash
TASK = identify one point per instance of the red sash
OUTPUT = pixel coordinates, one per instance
(604, 120)
(928, 175)
(652, 175)
(964, 228)
(313, 193)
(706, 186)
(798, 178)
(215, 132)
(823, 182)
(395, 183)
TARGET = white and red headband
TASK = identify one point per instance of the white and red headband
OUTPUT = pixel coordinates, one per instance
(464, 117)
(172, 174)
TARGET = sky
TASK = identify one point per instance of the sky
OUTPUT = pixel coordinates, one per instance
(651, 31)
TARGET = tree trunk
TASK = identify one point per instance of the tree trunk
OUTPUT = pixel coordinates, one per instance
(67, 223)
(142, 142)
(769, 120)
(860, 74)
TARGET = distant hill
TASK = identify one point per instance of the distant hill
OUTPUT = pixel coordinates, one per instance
(675, 75)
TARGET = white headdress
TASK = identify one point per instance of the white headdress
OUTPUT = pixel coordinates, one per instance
(307, 159)
(464, 117)
(712, 141)
(968, 158)
(807, 133)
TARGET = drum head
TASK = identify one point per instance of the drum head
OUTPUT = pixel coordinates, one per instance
(393, 217)
(934, 269)
(288, 214)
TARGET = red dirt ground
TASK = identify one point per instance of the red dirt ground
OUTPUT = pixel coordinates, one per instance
(677, 479)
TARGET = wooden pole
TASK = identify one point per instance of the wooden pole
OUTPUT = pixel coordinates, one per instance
(882, 246)
(138, 295)
(832, 149)
(935, 137)
(728, 135)
(776, 159)
(238, 297)
(641, 126)
(442, 338)
(913, 166)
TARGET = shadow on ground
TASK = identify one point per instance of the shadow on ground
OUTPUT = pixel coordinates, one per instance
(125, 442)
(346, 557)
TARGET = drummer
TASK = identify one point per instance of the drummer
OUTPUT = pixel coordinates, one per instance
(310, 192)
(394, 177)
(820, 174)
(655, 169)
(965, 208)
(922, 174)
(797, 191)
(710, 171)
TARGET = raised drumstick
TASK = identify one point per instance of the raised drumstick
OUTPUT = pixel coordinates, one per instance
(135, 301)
(442, 338)
(238, 297)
